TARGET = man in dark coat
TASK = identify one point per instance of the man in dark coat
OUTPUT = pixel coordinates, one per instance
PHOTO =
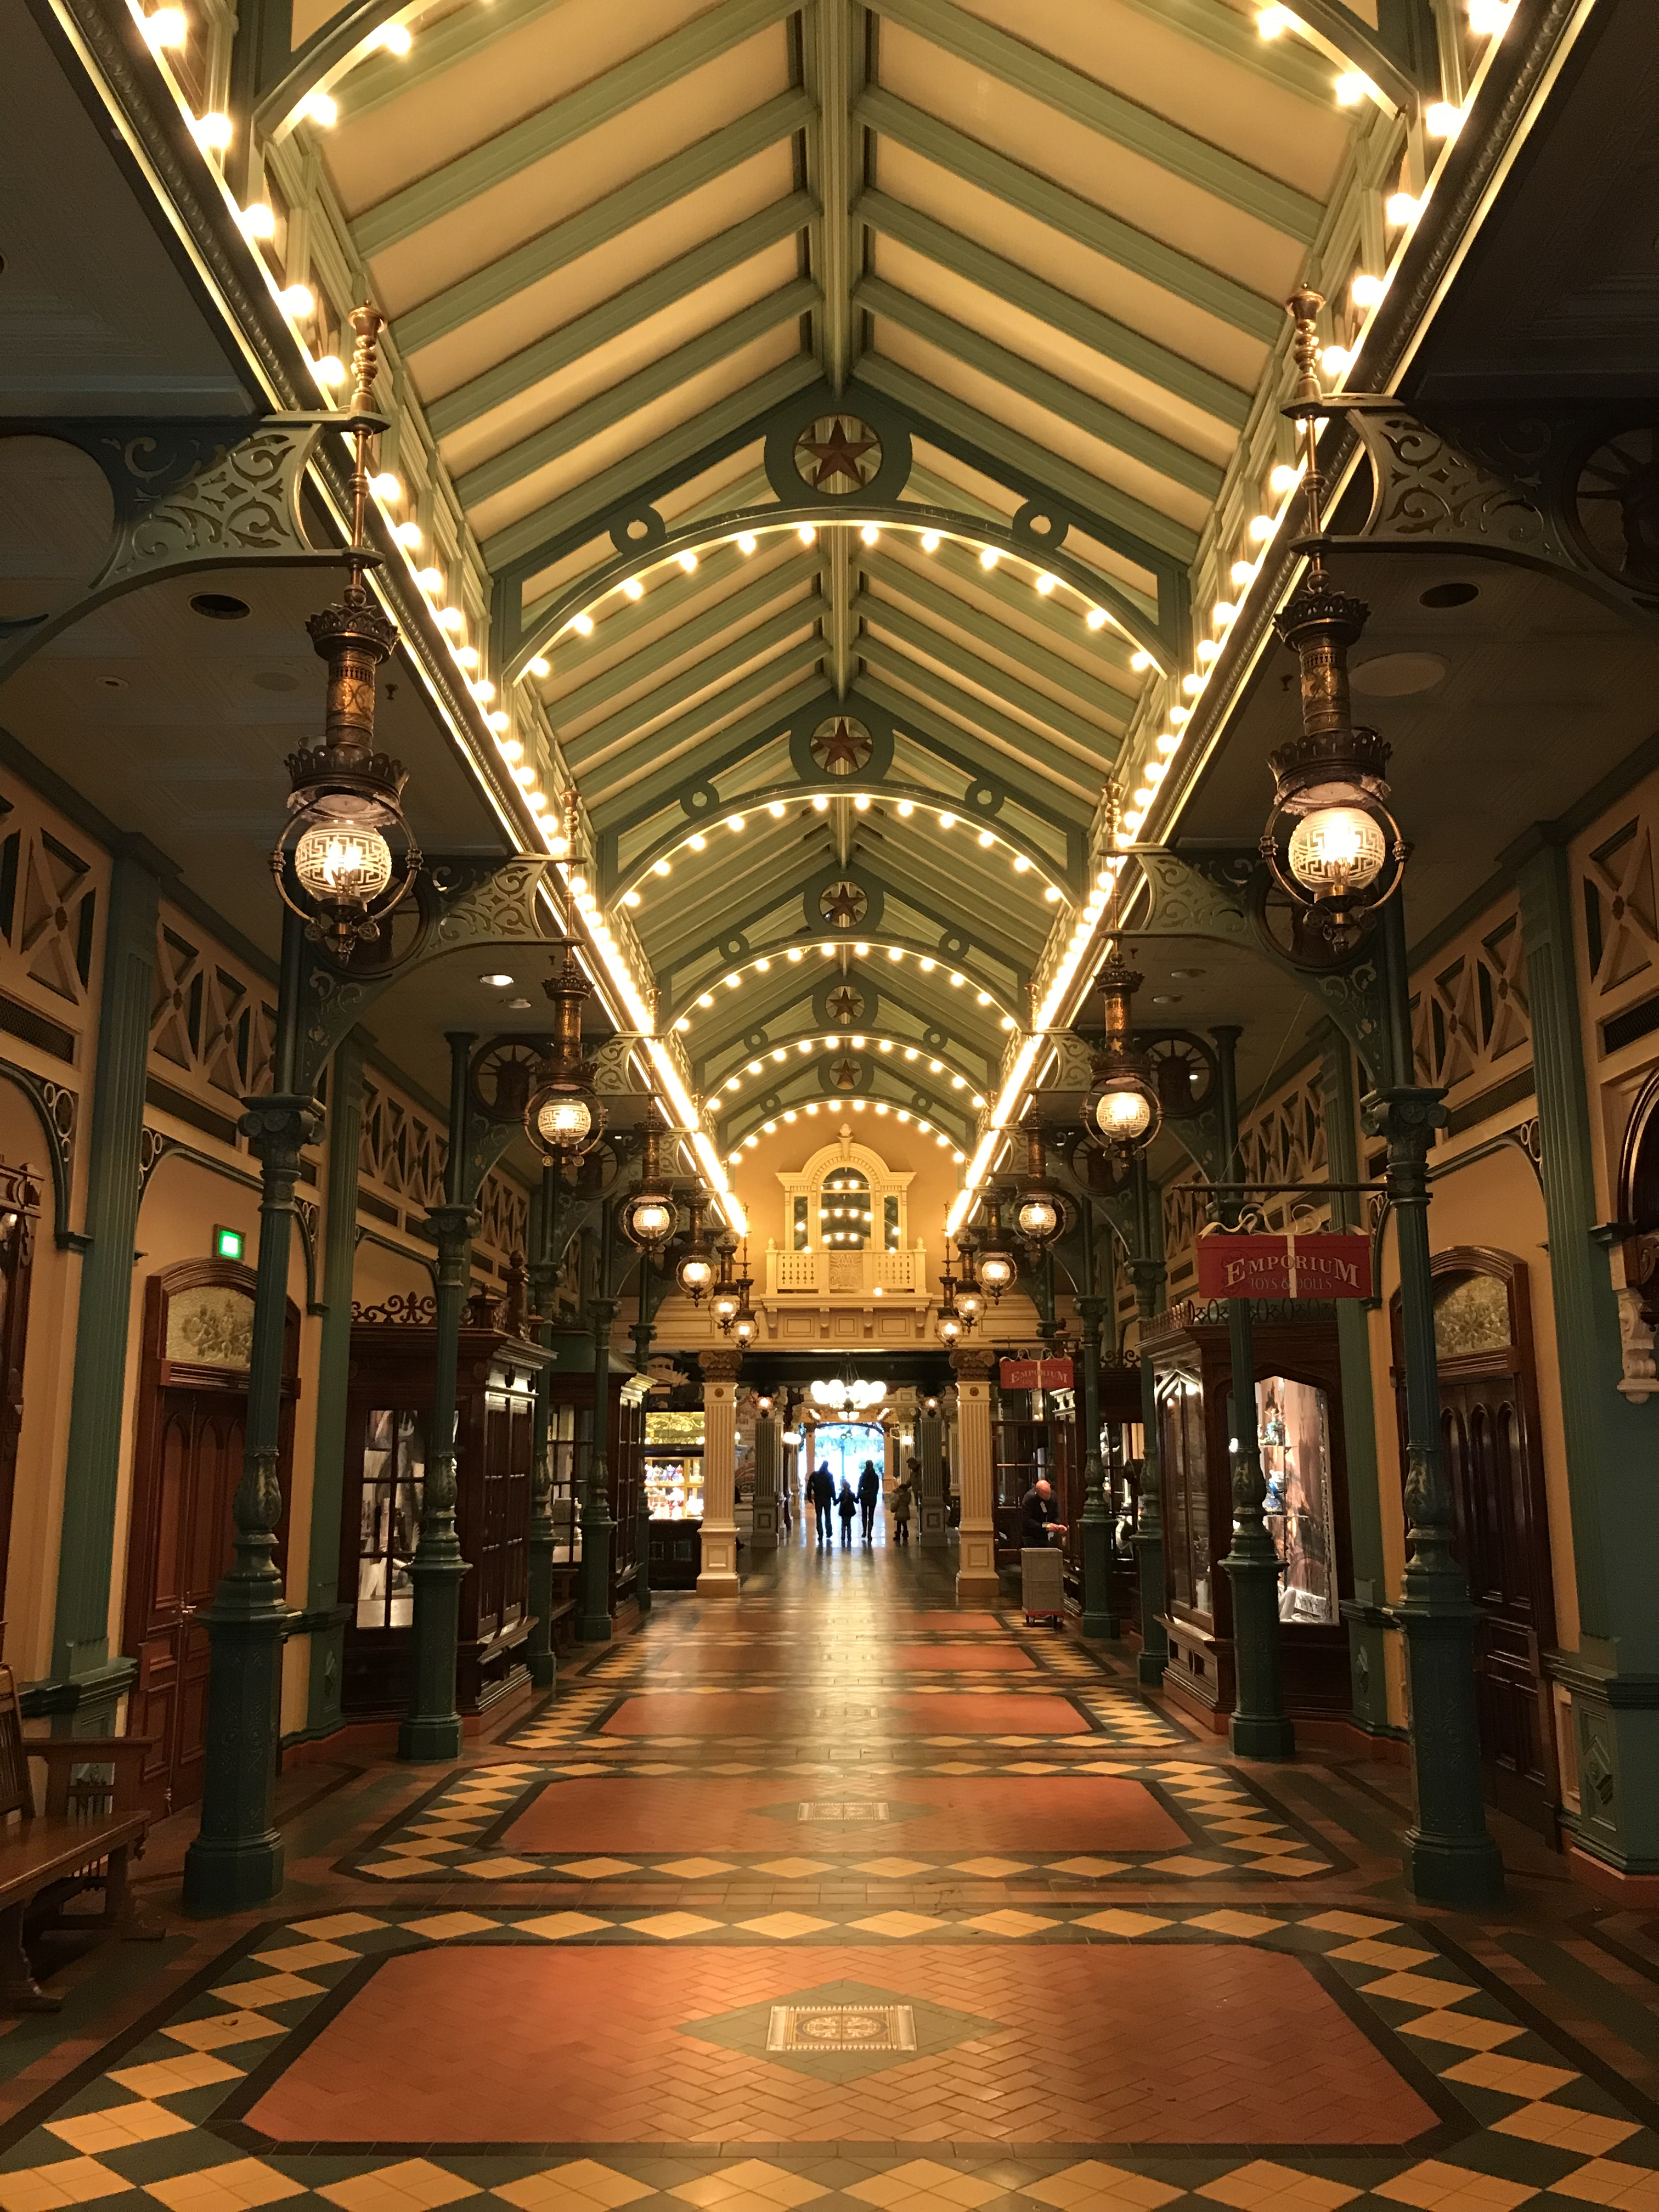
(869, 1498)
(821, 1496)
(1037, 1517)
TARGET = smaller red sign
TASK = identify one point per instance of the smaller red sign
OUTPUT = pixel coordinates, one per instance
(1036, 1375)
(1327, 1265)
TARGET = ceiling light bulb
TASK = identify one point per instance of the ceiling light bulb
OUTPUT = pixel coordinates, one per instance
(1262, 527)
(1192, 684)
(524, 777)
(385, 486)
(807, 534)
(696, 842)
(928, 966)
(947, 821)
(1168, 742)
(1336, 361)
(466, 655)
(1402, 208)
(1274, 22)
(1096, 618)
(1180, 714)
(1351, 87)
(795, 952)
(513, 750)
(1442, 120)
(1243, 574)
(582, 624)
(1490, 19)
(1051, 892)
(408, 534)
(985, 838)
(861, 803)
(821, 805)
(930, 541)
(659, 867)
(321, 108)
(1286, 477)
(860, 951)
(394, 37)
(1155, 772)
(257, 221)
(688, 562)
(166, 26)
(483, 690)
(776, 810)
(331, 369)
(450, 618)
(734, 821)
(499, 722)
(1207, 648)
(988, 556)
(634, 589)
(1140, 662)
(870, 533)
(215, 133)
(746, 542)
(538, 666)
(1366, 290)
(1045, 584)
(763, 967)
(1132, 822)
(1021, 864)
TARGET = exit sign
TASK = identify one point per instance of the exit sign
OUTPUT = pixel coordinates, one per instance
(226, 1243)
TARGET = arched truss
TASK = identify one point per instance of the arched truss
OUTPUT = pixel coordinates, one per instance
(934, 1120)
(895, 1054)
(974, 980)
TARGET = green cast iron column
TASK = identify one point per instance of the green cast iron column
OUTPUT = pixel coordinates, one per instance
(85, 1682)
(544, 1274)
(236, 1859)
(1613, 1677)
(1098, 1618)
(642, 1333)
(345, 1125)
(431, 1729)
(1363, 1613)
(1450, 1859)
(1260, 1727)
(1147, 1273)
(593, 1602)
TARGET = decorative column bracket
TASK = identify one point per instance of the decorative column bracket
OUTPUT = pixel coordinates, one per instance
(187, 497)
(1557, 487)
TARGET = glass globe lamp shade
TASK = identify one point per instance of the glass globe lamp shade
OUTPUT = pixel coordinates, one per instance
(650, 1220)
(997, 1272)
(723, 1305)
(1122, 1115)
(342, 861)
(743, 1327)
(1336, 851)
(564, 1122)
(694, 1274)
(970, 1305)
(1038, 1218)
(950, 1328)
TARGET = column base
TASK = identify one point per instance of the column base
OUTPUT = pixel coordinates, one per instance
(543, 1670)
(1149, 1668)
(719, 1575)
(1453, 1870)
(229, 1877)
(1099, 1627)
(1266, 1735)
(976, 1590)
(931, 1534)
(421, 1741)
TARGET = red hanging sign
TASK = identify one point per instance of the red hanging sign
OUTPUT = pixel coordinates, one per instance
(1328, 1265)
(1036, 1375)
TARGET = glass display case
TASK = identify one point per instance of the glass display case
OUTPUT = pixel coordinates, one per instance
(673, 1465)
(1299, 1424)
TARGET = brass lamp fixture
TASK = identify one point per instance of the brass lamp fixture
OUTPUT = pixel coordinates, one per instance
(563, 1117)
(726, 1297)
(951, 1326)
(649, 1214)
(743, 1324)
(346, 856)
(1121, 1112)
(996, 1265)
(1039, 1216)
(696, 1272)
(1330, 840)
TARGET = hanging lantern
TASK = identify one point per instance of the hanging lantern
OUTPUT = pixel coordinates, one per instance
(696, 1272)
(726, 1299)
(649, 1214)
(996, 1266)
(346, 856)
(1121, 1112)
(969, 1299)
(1330, 841)
(951, 1324)
(563, 1118)
(1038, 1217)
(743, 1325)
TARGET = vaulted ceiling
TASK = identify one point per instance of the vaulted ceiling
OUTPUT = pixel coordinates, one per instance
(840, 395)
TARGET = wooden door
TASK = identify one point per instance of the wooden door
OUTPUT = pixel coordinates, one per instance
(1489, 1437)
(192, 1417)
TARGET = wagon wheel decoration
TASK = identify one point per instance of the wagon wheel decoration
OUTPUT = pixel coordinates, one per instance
(504, 1075)
(1617, 502)
(1184, 1070)
(1306, 936)
(403, 933)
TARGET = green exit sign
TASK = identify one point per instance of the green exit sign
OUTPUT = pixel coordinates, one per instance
(226, 1243)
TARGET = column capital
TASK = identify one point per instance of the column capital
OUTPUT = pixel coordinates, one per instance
(277, 1125)
(720, 1366)
(1407, 1114)
(973, 1363)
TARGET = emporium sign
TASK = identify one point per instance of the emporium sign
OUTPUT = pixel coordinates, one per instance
(1322, 1266)
(1036, 1375)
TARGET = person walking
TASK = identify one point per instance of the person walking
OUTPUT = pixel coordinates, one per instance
(1037, 1517)
(821, 1496)
(900, 1498)
(869, 1498)
(847, 1506)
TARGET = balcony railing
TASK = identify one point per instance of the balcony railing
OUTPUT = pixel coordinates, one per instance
(856, 1274)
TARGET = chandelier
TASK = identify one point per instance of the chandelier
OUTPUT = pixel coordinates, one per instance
(848, 1397)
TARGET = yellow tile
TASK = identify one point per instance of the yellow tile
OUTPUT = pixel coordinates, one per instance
(1514, 2077)
(500, 1869)
(48, 2188)
(1559, 2125)
(1122, 1923)
(892, 1870)
(1460, 2028)
(795, 1869)
(599, 1869)
(415, 2186)
(119, 2127)
(556, 1926)
(1367, 1953)
(693, 1869)
(1010, 1924)
(225, 2029)
(1263, 2183)
(237, 2187)
(1435, 2187)
(1610, 2181)
(989, 1869)
(335, 1924)
(1183, 1864)
(295, 1957)
(898, 1924)
(1238, 1923)
(1418, 1988)
(1349, 1923)
(667, 1926)
(580, 2186)
(1095, 2187)
(783, 1925)
(170, 2077)
(923, 2183)
(1087, 1870)
(753, 2186)
(267, 1990)
(442, 1926)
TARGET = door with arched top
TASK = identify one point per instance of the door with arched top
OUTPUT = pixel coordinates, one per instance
(191, 1426)
(1492, 1450)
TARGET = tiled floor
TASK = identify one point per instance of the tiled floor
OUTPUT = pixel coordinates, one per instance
(838, 1898)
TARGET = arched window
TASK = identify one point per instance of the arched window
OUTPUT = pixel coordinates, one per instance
(846, 1211)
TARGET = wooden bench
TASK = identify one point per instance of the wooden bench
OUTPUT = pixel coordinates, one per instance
(82, 1840)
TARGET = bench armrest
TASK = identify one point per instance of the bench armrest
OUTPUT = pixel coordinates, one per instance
(126, 1754)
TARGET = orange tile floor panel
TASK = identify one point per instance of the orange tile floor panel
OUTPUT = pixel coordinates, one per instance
(927, 1812)
(1105, 2044)
(790, 1713)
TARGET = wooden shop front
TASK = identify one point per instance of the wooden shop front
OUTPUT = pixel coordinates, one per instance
(1298, 1410)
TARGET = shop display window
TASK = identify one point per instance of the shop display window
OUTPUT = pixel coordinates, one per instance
(673, 1465)
(394, 1474)
(1293, 1422)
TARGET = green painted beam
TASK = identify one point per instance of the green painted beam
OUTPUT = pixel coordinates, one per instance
(1075, 218)
(956, 887)
(382, 78)
(640, 800)
(1105, 512)
(1098, 747)
(583, 233)
(675, 281)
(647, 386)
(1094, 417)
(615, 785)
(1103, 334)
(619, 729)
(535, 537)
(1061, 768)
(949, 1121)
(623, 620)
(937, 598)
(1286, 62)
(774, 1073)
(1110, 115)
(507, 154)
(898, 994)
(688, 635)
(1107, 646)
